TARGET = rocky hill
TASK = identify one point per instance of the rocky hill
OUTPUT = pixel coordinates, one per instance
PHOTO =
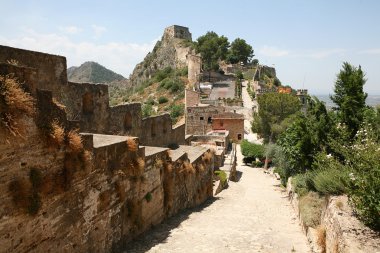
(92, 72)
(170, 51)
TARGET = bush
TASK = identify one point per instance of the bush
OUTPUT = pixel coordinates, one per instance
(222, 175)
(162, 74)
(252, 150)
(332, 181)
(147, 110)
(176, 111)
(162, 100)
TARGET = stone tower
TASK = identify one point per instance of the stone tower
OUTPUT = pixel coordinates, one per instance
(176, 31)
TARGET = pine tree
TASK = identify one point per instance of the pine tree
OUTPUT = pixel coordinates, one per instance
(350, 97)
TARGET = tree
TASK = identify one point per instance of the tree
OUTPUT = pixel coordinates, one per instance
(240, 51)
(350, 97)
(212, 48)
(274, 109)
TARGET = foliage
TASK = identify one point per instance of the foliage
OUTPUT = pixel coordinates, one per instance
(255, 61)
(239, 75)
(162, 100)
(350, 97)
(330, 176)
(148, 197)
(162, 74)
(252, 150)
(222, 175)
(176, 111)
(212, 48)
(147, 110)
(274, 108)
(240, 51)
(251, 93)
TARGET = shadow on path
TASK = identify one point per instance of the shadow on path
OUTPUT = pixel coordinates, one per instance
(161, 232)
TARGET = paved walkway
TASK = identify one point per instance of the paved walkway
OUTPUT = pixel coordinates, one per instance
(252, 215)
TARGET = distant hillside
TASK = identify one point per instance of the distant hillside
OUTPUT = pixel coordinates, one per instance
(92, 72)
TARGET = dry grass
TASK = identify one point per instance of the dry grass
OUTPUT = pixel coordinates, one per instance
(187, 167)
(13, 62)
(321, 238)
(168, 168)
(74, 141)
(132, 145)
(14, 103)
(57, 134)
(58, 104)
(158, 163)
(310, 207)
(207, 157)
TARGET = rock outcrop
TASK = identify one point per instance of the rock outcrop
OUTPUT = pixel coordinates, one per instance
(170, 51)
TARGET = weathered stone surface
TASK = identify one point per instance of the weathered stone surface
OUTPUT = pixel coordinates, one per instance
(59, 197)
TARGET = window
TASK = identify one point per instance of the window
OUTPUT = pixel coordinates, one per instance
(209, 120)
(201, 118)
(221, 123)
(239, 137)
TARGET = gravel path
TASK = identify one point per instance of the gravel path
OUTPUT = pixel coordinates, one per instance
(252, 215)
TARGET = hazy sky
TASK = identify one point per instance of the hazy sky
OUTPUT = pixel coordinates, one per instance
(307, 41)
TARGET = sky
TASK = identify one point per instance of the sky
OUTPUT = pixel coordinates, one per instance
(306, 41)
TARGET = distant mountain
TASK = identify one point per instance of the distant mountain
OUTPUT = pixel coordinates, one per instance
(92, 72)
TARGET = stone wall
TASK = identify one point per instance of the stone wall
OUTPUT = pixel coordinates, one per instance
(192, 98)
(51, 69)
(199, 118)
(194, 68)
(57, 196)
(158, 131)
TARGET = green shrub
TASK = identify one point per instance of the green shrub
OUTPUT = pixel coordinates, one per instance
(176, 111)
(162, 74)
(162, 100)
(222, 175)
(303, 183)
(182, 72)
(363, 160)
(150, 101)
(147, 110)
(252, 150)
(148, 197)
(331, 181)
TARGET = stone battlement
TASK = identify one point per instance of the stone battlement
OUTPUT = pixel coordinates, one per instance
(176, 31)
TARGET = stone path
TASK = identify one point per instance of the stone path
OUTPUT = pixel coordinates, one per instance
(252, 215)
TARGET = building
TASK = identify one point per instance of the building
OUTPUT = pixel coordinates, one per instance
(232, 122)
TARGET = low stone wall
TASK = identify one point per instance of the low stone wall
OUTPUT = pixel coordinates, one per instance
(344, 233)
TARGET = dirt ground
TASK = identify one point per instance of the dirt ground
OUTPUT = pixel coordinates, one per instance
(252, 215)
